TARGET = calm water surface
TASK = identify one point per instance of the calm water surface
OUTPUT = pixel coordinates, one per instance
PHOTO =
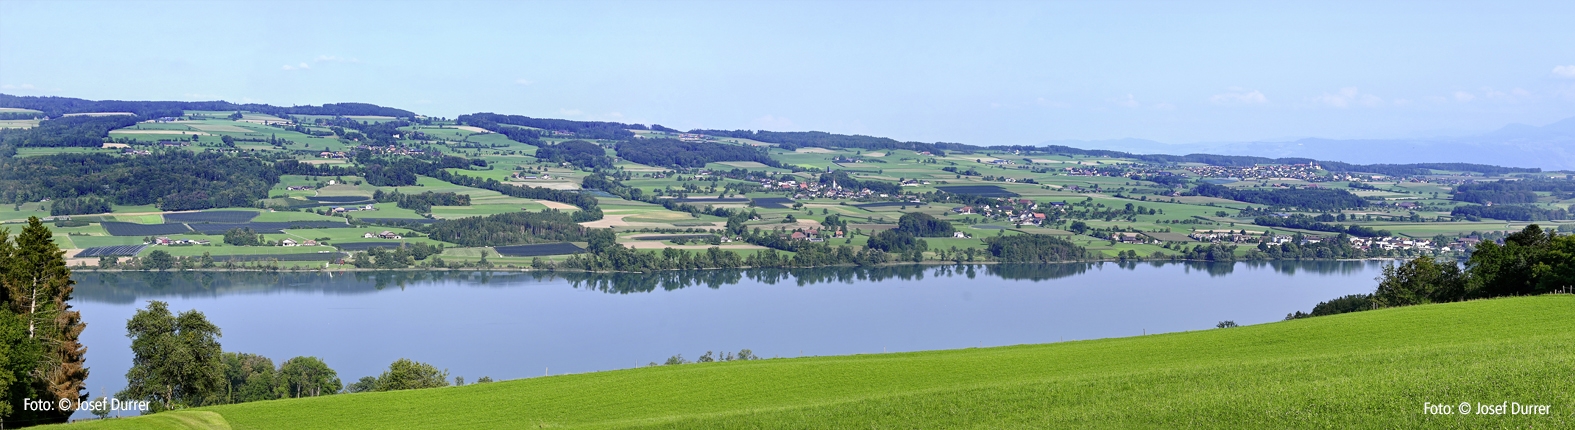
(517, 325)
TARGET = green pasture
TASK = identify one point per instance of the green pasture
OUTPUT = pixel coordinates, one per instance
(448, 212)
(34, 152)
(1374, 369)
(219, 248)
(352, 235)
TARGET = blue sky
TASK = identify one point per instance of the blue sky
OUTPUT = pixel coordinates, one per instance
(976, 72)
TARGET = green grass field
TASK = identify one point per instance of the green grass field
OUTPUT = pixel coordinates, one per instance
(1372, 369)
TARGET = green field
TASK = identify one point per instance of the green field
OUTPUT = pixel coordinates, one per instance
(1373, 369)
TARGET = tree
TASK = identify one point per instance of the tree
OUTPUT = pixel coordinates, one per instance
(248, 378)
(308, 377)
(924, 225)
(175, 358)
(99, 407)
(18, 356)
(365, 384)
(1225, 324)
(37, 290)
(159, 259)
(1420, 281)
(407, 374)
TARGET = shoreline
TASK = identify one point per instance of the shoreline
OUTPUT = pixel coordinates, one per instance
(528, 269)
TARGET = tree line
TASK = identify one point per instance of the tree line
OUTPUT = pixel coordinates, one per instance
(178, 362)
(513, 228)
(1305, 222)
(790, 140)
(173, 180)
(70, 131)
(576, 152)
(1509, 212)
(678, 153)
(1507, 192)
(422, 202)
(58, 106)
(1531, 261)
(581, 129)
(1318, 199)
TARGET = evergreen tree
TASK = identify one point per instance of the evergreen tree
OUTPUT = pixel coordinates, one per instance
(37, 290)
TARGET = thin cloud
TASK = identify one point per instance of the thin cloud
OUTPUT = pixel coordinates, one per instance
(770, 122)
(570, 112)
(523, 82)
(1512, 95)
(1348, 97)
(19, 87)
(1564, 71)
(1462, 96)
(1239, 96)
(1127, 102)
(302, 66)
(334, 59)
(1051, 103)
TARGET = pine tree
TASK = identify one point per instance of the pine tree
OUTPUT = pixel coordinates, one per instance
(38, 289)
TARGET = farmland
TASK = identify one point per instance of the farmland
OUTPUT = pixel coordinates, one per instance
(1115, 205)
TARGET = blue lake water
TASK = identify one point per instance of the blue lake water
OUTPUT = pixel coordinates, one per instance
(509, 325)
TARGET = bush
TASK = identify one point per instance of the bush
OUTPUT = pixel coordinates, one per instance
(407, 374)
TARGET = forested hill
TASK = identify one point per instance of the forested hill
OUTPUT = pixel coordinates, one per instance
(90, 131)
(677, 153)
(1310, 198)
(794, 140)
(173, 180)
(57, 106)
(577, 129)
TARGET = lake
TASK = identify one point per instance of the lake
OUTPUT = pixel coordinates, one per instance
(509, 325)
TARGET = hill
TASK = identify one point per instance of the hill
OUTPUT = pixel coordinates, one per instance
(1369, 369)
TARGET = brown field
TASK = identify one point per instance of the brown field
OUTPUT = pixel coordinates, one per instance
(16, 110)
(323, 161)
(556, 205)
(743, 164)
(116, 145)
(470, 128)
(875, 154)
(813, 150)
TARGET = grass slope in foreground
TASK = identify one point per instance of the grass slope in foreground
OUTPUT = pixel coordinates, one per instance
(1368, 369)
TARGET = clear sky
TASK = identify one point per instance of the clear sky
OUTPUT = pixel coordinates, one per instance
(973, 72)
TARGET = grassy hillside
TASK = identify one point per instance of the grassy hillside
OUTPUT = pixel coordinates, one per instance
(1368, 369)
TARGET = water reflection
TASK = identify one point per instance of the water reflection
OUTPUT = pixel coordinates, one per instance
(127, 287)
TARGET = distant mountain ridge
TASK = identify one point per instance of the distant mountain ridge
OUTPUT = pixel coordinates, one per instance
(1549, 147)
